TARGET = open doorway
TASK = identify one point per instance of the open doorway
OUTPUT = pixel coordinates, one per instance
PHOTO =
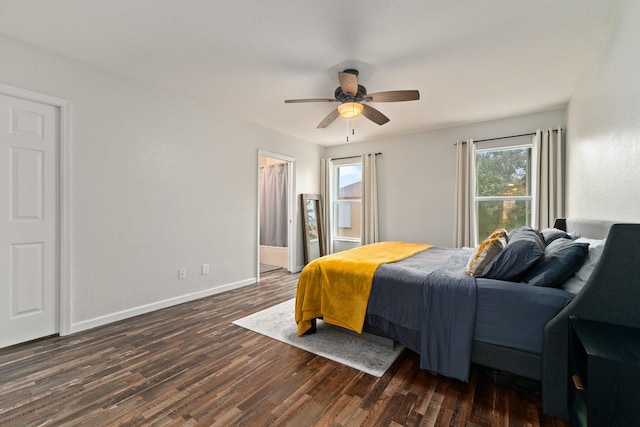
(276, 207)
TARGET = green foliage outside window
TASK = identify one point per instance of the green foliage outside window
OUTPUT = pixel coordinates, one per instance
(502, 175)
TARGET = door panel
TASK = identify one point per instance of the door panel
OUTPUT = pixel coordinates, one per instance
(28, 220)
(27, 284)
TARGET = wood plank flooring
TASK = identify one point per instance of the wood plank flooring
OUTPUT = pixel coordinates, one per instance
(188, 365)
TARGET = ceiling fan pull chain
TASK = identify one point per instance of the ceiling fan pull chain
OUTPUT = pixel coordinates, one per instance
(353, 128)
(347, 129)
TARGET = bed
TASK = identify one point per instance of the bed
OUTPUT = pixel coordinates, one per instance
(429, 303)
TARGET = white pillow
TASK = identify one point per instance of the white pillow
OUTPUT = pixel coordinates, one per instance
(577, 281)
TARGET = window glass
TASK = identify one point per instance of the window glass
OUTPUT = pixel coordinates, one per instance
(347, 201)
(503, 189)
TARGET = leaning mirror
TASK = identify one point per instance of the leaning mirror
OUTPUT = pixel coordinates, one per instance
(312, 231)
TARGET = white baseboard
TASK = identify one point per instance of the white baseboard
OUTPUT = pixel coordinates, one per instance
(147, 308)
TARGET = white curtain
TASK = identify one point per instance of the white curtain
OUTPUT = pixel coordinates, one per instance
(464, 219)
(326, 166)
(273, 204)
(369, 200)
(549, 152)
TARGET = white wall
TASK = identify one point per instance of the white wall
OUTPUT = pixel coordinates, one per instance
(604, 128)
(158, 182)
(416, 174)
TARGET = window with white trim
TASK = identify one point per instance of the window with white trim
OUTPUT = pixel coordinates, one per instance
(504, 195)
(347, 200)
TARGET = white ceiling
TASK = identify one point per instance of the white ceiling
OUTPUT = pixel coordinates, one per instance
(471, 60)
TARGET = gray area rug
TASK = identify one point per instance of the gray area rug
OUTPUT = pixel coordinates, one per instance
(364, 352)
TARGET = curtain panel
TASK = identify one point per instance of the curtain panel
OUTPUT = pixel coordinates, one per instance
(273, 204)
(464, 226)
(369, 199)
(326, 166)
(549, 152)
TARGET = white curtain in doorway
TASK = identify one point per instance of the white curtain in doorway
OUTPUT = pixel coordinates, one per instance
(549, 151)
(464, 214)
(273, 204)
(369, 199)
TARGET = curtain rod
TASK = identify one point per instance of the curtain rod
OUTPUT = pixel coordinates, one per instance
(504, 137)
(351, 157)
(510, 136)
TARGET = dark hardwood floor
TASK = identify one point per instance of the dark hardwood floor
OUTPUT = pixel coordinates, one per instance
(188, 365)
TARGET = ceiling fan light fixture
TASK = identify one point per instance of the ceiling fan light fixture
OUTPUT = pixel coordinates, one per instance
(350, 110)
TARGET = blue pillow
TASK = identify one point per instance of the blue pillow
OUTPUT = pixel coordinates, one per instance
(525, 248)
(562, 258)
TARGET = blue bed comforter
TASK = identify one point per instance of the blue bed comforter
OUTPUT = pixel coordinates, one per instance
(432, 301)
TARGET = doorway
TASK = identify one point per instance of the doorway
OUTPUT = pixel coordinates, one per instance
(276, 207)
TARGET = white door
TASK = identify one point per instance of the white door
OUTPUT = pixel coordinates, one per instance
(28, 220)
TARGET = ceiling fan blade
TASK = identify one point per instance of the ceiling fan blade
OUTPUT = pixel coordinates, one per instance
(295, 101)
(329, 119)
(374, 115)
(348, 83)
(393, 96)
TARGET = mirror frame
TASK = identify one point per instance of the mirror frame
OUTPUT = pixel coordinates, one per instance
(304, 198)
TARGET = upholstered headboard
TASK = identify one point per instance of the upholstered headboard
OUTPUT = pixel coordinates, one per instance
(594, 229)
(611, 294)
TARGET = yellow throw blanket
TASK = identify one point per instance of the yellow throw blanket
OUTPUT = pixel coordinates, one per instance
(336, 287)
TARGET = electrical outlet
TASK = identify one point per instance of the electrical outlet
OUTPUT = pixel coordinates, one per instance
(205, 268)
(182, 273)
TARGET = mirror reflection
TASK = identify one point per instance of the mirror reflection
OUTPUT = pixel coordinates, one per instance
(312, 227)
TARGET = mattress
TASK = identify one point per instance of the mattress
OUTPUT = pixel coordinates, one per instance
(513, 315)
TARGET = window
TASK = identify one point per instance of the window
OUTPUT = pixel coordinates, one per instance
(347, 201)
(504, 188)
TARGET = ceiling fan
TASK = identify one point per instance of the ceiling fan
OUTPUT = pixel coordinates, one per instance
(353, 98)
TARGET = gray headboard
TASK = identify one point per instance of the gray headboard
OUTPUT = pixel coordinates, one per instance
(594, 229)
(612, 295)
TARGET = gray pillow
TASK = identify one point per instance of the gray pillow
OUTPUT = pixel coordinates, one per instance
(576, 282)
(551, 234)
(526, 246)
(561, 259)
